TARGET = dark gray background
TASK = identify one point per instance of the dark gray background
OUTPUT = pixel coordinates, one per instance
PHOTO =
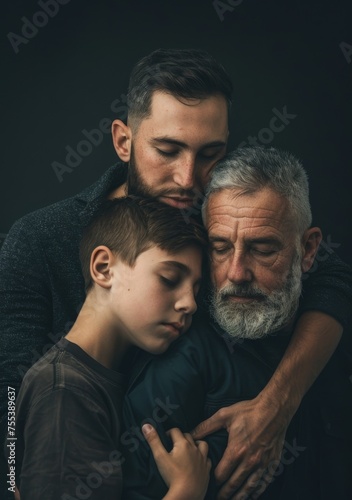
(69, 73)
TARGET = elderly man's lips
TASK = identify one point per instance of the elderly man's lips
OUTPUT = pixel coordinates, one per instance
(243, 299)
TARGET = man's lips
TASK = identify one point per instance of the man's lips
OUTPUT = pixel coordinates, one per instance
(177, 201)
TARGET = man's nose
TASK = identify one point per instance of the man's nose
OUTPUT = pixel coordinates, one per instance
(239, 269)
(184, 175)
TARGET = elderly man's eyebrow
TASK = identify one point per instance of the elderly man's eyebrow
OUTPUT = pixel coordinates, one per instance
(264, 240)
(220, 239)
(170, 140)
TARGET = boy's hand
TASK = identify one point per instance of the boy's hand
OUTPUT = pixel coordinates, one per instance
(185, 469)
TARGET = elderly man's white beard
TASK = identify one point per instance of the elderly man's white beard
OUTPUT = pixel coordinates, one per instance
(267, 314)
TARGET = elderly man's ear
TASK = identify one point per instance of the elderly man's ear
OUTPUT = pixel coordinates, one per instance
(310, 242)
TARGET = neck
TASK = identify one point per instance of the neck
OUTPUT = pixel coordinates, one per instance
(119, 192)
(98, 337)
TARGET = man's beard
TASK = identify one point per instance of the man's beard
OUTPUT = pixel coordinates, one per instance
(135, 183)
(137, 187)
(267, 313)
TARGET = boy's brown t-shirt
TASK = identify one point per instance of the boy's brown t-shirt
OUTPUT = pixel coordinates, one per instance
(68, 414)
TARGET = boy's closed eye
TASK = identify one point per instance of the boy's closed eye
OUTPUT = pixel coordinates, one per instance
(170, 282)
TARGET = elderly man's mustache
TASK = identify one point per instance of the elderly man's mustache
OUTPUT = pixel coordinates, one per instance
(244, 290)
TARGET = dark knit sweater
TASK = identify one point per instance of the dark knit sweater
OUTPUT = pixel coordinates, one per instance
(42, 290)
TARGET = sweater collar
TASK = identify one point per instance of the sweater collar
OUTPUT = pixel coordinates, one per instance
(92, 197)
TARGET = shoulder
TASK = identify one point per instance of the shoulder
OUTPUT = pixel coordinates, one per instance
(57, 372)
(197, 352)
(60, 218)
(49, 223)
(202, 337)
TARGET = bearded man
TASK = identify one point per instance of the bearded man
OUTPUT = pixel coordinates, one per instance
(258, 218)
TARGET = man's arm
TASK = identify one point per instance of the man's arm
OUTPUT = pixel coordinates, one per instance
(257, 427)
(25, 318)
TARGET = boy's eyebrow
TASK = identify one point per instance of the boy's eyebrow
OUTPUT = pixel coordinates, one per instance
(182, 267)
(169, 140)
(177, 264)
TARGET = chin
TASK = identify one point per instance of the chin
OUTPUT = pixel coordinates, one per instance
(161, 350)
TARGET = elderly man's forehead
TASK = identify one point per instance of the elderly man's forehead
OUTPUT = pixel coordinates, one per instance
(265, 206)
(235, 198)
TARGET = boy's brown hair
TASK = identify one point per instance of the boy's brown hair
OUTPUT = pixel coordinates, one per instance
(131, 225)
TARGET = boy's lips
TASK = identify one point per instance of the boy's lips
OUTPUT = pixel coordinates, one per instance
(175, 327)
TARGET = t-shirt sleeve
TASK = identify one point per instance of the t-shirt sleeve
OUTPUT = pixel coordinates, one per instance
(66, 449)
(327, 287)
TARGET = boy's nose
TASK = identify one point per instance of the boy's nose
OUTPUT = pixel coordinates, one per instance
(186, 303)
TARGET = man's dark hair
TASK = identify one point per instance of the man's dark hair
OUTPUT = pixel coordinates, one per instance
(183, 73)
(131, 225)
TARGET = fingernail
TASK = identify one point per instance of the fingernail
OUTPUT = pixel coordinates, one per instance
(146, 428)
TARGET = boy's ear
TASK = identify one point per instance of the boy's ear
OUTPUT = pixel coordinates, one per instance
(310, 241)
(122, 139)
(100, 266)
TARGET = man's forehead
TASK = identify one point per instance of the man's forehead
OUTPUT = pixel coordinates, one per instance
(164, 96)
(209, 108)
(259, 211)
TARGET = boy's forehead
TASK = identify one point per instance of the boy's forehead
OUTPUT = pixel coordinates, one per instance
(187, 259)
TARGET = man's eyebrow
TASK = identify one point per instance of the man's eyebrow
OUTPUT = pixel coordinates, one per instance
(175, 142)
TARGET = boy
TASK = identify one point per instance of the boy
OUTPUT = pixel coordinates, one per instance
(141, 262)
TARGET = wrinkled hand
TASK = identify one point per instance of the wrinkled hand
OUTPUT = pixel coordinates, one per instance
(255, 442)
(186, 468)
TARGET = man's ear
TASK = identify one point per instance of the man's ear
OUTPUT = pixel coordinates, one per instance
(100, 266)
(310, 242)
(122, 139)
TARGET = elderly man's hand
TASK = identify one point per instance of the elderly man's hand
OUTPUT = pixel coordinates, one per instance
(256, 437)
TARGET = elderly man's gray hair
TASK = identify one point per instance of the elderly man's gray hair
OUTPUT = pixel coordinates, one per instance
(254, 168)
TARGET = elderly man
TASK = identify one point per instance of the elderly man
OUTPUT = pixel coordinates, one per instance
(258, 217)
